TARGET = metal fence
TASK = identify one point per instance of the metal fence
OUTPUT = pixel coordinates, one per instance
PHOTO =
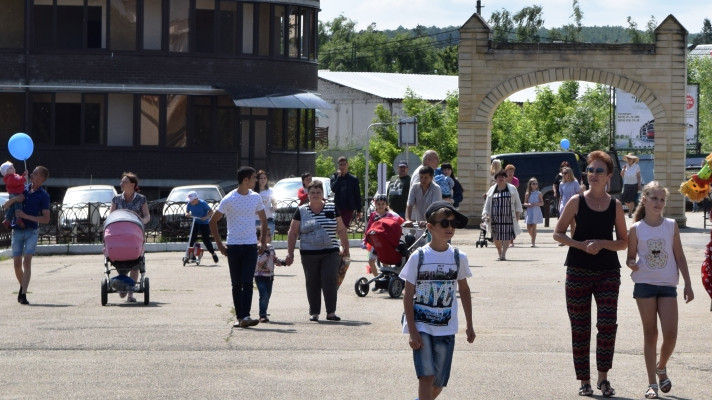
(83, 223)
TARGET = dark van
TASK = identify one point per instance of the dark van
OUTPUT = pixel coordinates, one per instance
(544, 166)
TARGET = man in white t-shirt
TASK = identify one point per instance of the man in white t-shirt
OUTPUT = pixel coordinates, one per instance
(239, 208)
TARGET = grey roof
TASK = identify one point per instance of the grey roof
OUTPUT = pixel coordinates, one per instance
(701, 50)
(393, 86)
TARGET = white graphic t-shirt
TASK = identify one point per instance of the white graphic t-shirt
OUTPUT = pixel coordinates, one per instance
(435, 303)
(656, 261)
(240, 212)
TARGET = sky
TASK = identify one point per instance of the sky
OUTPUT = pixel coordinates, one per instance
(389, 14)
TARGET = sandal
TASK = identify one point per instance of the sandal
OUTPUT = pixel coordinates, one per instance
(606, 390)
(652, 392)
(586, 390)
(665, 384)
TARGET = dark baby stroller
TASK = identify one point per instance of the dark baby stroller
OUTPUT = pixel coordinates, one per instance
(392, 248)
(482, 241)
(123, 250)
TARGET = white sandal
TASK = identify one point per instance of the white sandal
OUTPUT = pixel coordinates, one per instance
(652, 392)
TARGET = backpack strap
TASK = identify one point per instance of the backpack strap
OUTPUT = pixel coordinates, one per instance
(457, 258)
(421, 256)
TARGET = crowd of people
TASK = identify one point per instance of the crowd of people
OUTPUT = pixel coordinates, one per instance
(591, 224)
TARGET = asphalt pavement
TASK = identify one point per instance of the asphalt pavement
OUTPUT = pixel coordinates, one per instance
(183, 344)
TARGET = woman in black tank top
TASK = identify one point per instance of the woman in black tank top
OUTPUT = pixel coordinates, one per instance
(593, 271)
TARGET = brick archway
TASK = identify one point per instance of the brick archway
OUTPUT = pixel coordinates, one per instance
(655, 73)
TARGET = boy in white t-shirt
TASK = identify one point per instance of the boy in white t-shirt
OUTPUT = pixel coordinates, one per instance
(430, 300)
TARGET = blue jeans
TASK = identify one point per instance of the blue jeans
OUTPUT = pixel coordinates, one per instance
(17, 206)
(435, 358)
(24, 242)
(264, 286)
(242, 259)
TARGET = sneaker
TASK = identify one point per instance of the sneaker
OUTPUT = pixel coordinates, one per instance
(248, 322)
(20, 223)
(264, 319)
(215, 257)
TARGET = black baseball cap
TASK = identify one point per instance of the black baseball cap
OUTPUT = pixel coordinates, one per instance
(460, 218)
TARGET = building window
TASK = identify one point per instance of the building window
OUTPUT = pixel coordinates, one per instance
(12, 24)
(176, 111)
(123, 24)
(248, 28)
(150, 120)
(278, 31)
(41, 118)
(12, 115)
(228, 23)
(225, 126)
(178, 26)
(67, 120)
(69, 24)
(152, 24)
(278, 129)
(94, 119)
(263, 31)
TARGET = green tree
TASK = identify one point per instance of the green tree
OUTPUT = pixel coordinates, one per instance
(706, 36)
(699, 71)
(502, 26)
(529, 20)
(573, 31)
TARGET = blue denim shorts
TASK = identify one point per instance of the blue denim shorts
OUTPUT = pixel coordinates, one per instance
(435, 358)
(648, 291)
(24, 242)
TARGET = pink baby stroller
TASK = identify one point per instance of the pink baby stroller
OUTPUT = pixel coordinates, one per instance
(123, 250)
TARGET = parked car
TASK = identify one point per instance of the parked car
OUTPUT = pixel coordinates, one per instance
(285, 195)
(83, 211)
(545, 165)
(3, 197)
(174, 223)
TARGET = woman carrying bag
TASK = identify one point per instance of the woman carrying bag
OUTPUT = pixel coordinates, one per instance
(318, 225)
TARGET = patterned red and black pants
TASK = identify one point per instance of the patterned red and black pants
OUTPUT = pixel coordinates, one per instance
(603, 286)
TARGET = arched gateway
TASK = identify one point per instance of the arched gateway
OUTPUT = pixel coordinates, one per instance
(655, 73)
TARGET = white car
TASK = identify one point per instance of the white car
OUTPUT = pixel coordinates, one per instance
(284, 193)
(84, 209)
(174, 223)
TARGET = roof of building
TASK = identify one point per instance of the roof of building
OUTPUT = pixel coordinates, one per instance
(701, 50)
(394, 86)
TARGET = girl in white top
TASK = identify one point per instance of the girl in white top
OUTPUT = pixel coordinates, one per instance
(655, 242)
(262, 188)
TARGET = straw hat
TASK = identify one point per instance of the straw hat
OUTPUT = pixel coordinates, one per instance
(631, 156)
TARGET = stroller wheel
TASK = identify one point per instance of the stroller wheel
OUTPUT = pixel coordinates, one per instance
(185, 261)
(146, 289)
(361, 287)
(395, 287)
(104, 291)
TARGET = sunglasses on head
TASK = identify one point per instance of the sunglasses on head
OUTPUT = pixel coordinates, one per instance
(596, 171)
(446, 223)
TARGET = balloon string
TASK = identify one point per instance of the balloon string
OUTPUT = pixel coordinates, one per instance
(25, 164)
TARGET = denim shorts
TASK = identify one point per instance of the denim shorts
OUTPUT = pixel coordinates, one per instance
(24, 242)
(435, 358)
(647, 291)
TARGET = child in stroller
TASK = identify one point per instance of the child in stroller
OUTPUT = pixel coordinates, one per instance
(123, 249)
(392, 247)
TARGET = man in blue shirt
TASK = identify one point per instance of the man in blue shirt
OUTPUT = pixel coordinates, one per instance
(35, 211)
(347, 192)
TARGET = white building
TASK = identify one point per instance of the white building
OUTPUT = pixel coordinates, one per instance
(355, 95)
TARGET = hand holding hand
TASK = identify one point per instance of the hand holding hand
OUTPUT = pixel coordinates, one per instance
(632, 264)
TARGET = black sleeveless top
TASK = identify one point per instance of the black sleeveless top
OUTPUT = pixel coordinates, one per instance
(592, 224)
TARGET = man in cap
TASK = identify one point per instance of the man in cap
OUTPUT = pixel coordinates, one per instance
(398, 188)
(201, 212)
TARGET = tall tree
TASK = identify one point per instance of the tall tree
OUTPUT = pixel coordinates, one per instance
(502, 25)
(573, 31)
(706, 36)
(529, 20)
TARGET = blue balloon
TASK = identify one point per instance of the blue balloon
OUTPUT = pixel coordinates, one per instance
(20, 146)
(565, 144)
